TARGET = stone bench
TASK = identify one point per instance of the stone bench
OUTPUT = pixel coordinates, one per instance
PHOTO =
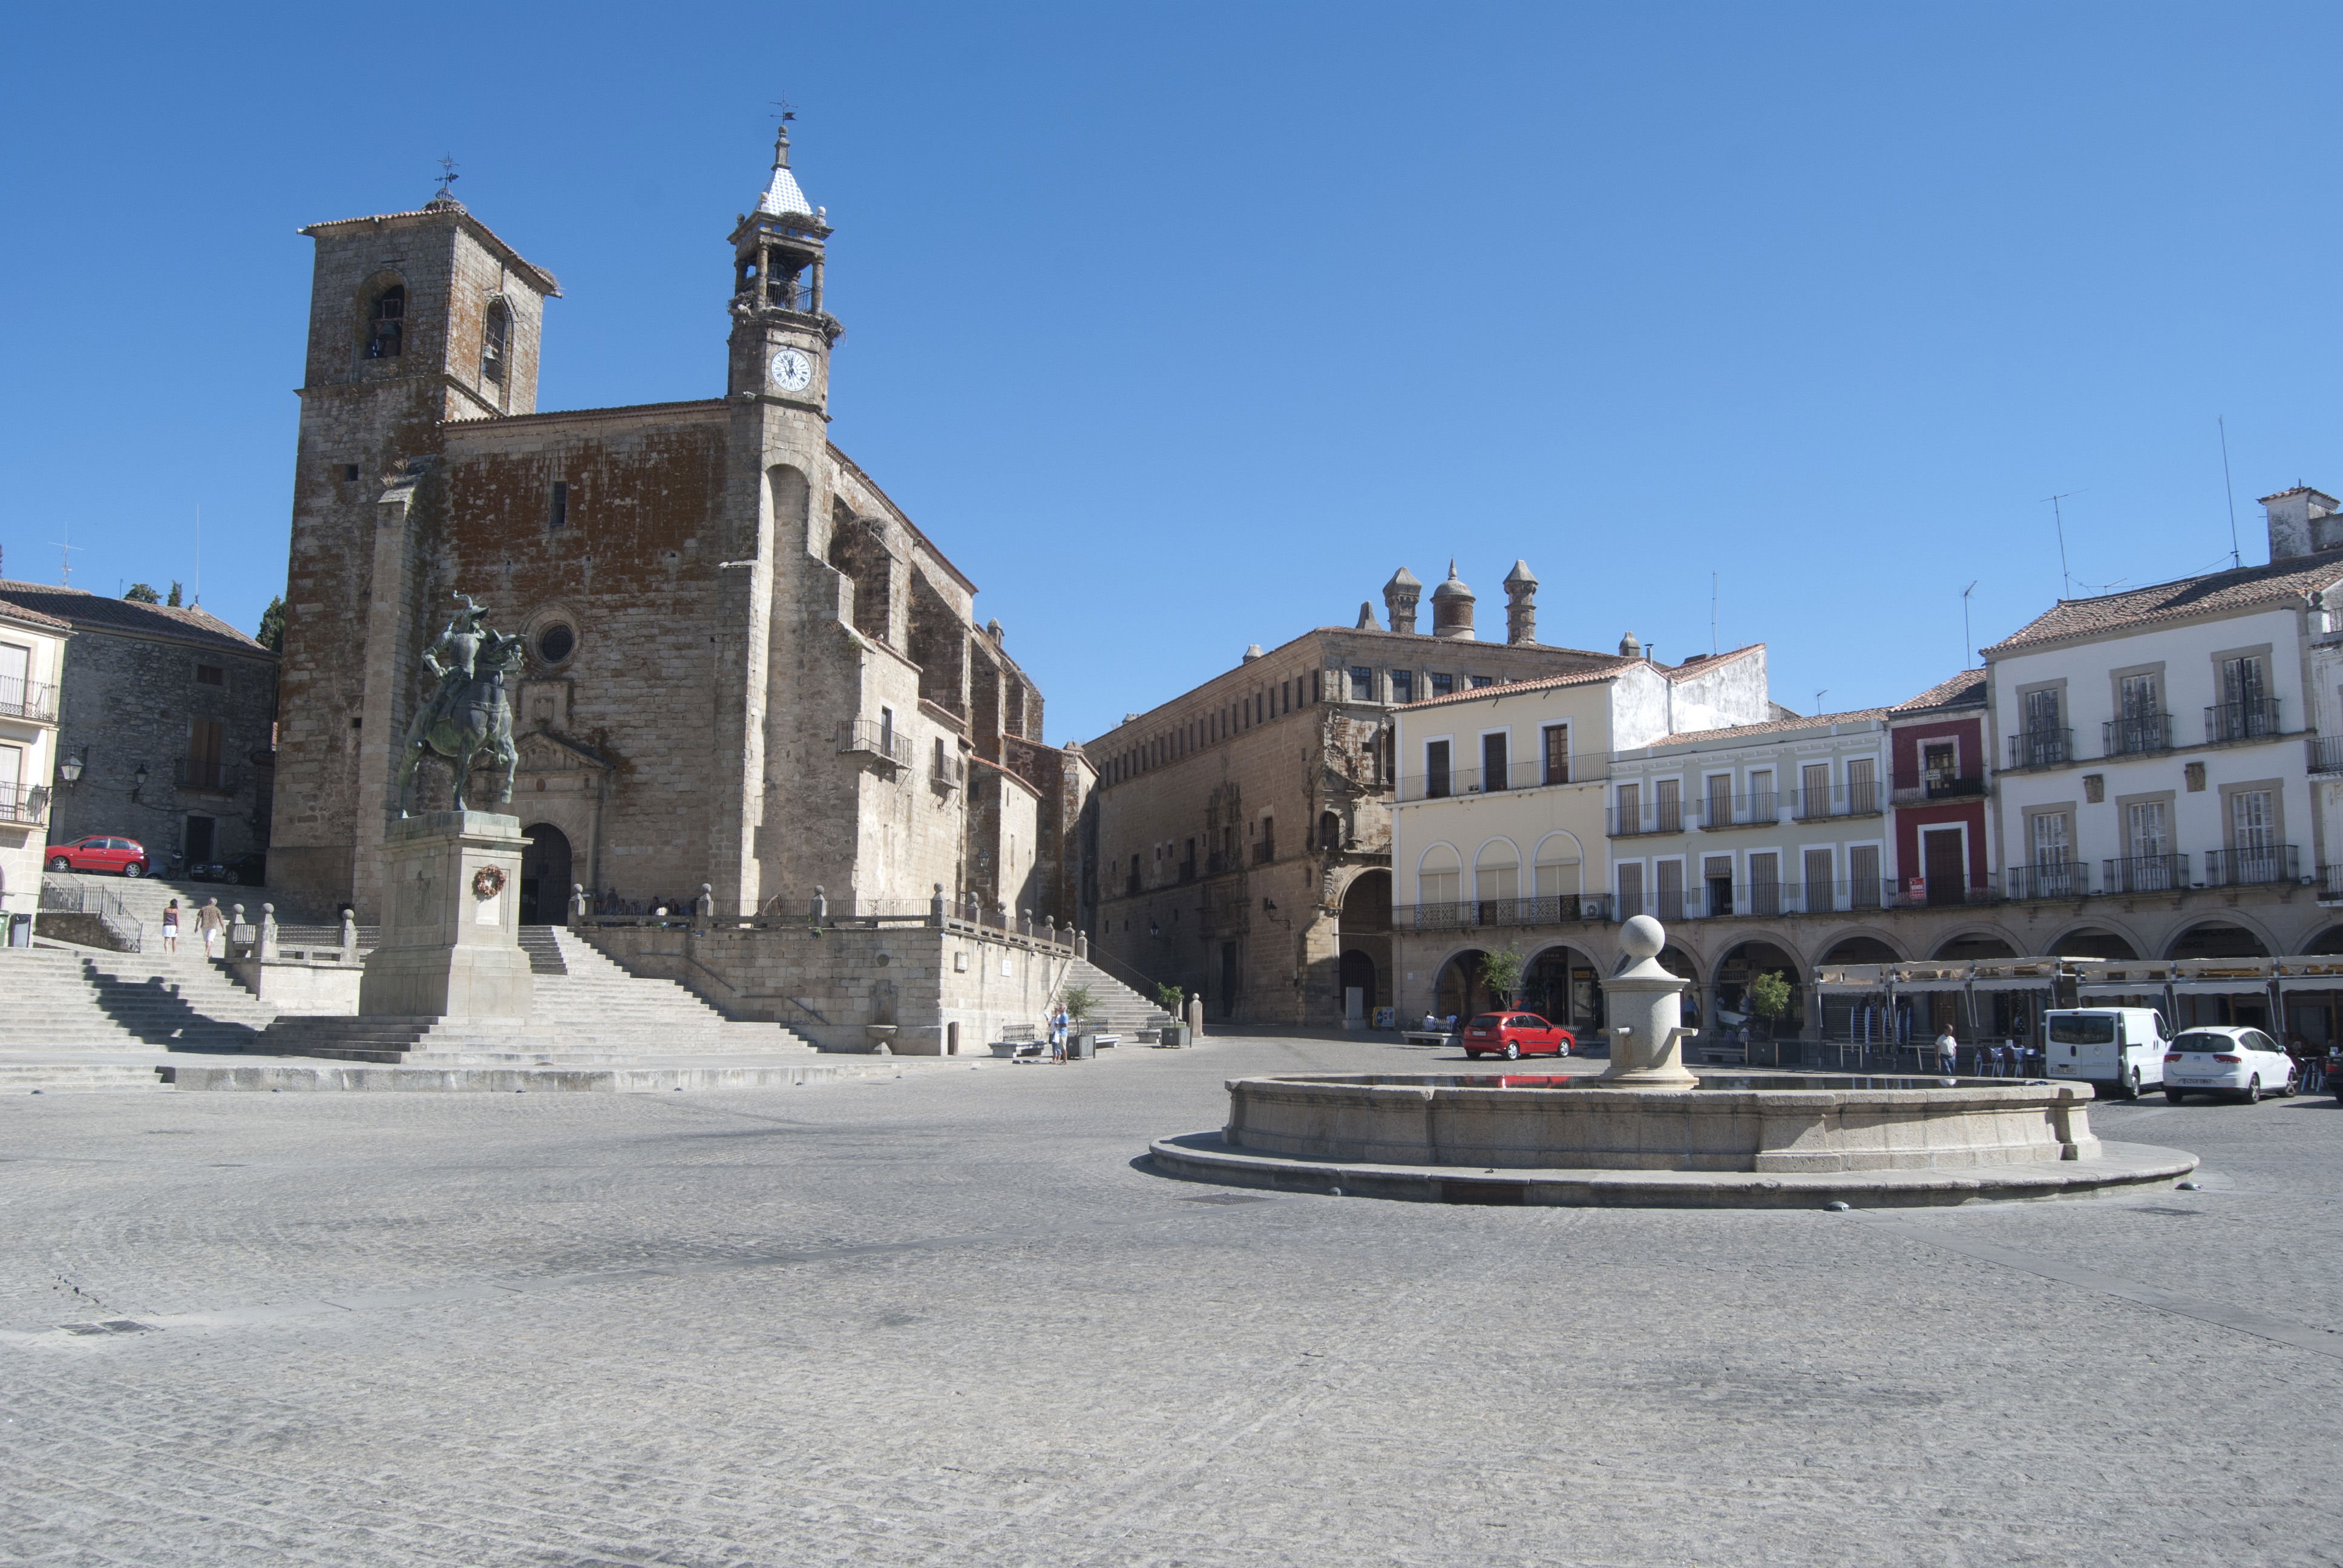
(1016, 1040)
(1429, 1037)
(1105, 1041)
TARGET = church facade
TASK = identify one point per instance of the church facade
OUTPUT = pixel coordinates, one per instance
(747, 667)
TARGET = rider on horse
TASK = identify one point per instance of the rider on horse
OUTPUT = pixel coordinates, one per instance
(471, 710)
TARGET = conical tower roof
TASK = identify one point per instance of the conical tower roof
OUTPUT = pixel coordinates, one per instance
(1520, 576)
(1402, 578)
(781, 192)
(1454, 588)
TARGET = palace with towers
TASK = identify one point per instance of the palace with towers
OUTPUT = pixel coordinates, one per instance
(746, 666)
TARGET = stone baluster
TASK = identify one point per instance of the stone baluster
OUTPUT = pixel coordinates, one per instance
(577, 904)
(268, 930)
(349, 935)
(235, 919)
(936, 908)
(821, 904)
(704, 907)
(1082, 944)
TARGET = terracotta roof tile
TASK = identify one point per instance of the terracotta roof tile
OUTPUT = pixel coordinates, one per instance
(81, 608)
(2218, 591)
(15, 611)
(1966, 690)
(1771, 726)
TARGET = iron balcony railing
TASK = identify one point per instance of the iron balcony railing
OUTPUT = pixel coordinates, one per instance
(1532, 773)
(1762, 901)
(26, 804)
(1914, 785)
(2253, 867)
(2041, 749)
(1759, 811)
(1941, 892)
(1866, 799)
(2252, 721)
(1667, 817)
(2325, 753)
(2138, 733)
(2051, 880)
(28, 699)
(1554, 909)
(2145, 874)
(2330, 883)
(873, 736)
(208, 774)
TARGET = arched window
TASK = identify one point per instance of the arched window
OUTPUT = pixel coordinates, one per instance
(387, 327)
(1497, 874)
(1437, 877)
(1560, 863)
(496, 342)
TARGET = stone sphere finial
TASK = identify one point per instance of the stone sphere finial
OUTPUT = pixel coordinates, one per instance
(1643, 938)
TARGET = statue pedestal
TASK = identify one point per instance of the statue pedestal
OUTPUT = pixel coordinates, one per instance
(450, 942)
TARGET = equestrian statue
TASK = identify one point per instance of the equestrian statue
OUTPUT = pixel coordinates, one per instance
(471, 710)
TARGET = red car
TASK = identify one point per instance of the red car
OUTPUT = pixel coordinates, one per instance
(1515, 1034)
(99, 853)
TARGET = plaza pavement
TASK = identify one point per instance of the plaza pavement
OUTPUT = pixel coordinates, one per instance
(946, 1319)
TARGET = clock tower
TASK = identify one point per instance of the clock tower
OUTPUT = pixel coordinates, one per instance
(782, 335)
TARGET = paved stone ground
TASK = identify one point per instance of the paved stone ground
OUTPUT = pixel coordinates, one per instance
(947, 1320)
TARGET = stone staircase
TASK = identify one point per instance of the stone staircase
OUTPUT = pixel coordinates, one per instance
(143, 898)
(1120, 1009)
(74, 1077)
(82, 999)
(587, 1010)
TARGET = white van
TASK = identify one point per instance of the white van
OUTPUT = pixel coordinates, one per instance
(2118, 1049)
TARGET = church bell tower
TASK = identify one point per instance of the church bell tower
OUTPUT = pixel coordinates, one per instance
(782, 335)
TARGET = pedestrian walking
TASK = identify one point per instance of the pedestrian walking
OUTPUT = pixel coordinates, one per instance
(1948, 1052)
(212, 926)
(171, 927)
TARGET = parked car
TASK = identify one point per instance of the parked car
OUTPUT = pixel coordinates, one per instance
(2118, 1049)
(127, 857)
(2241, 1063)
(1513, 1035)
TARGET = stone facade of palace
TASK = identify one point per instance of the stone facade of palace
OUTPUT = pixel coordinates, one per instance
(746, 666)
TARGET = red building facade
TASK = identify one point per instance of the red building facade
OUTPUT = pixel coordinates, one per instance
(1940, 778)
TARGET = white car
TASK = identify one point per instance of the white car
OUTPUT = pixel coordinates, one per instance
(2241, 1063)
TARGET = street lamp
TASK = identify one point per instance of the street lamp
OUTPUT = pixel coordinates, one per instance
(138, 782)
(69, 768)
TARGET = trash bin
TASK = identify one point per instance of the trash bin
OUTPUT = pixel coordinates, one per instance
(1083, 1047)
(1173, 1037)
(20, 930)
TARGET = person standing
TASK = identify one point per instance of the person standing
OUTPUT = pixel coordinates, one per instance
(212, 926)
(1948, 1052)
(171, 927)
(1058, 1035)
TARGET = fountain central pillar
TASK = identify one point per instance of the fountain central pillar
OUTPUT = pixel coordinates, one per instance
(1647, 1047)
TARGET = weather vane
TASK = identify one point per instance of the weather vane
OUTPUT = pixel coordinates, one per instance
(788, 111)
(448, 175)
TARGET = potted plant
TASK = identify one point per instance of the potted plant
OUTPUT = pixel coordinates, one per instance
(1078, 1000)
(1169, 1000)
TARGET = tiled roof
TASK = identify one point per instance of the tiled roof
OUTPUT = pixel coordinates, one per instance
(1605, 670)
(1966, 690)
(15, 611)
(1771, 726)
(782, 195)
(81, 608)
(546, 283)
(2276, 583)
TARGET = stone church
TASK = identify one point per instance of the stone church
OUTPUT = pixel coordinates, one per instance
(746, 666)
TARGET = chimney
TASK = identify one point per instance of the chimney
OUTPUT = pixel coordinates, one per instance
(2296, 516)
(1451, 608)
(1367, 621)
(1399, 598)
(1521, 604)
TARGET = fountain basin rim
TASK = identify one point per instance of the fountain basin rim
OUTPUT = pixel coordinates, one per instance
(1943, 1094)
(1203, 1157)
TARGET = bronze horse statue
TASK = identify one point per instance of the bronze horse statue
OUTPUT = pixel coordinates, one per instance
(471, 711)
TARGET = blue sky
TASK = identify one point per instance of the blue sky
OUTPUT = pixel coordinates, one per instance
(1179, 327)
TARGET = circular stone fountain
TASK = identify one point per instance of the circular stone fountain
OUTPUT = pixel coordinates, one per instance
(1647, 1131)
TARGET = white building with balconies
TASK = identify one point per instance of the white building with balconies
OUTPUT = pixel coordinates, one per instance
(32, 667)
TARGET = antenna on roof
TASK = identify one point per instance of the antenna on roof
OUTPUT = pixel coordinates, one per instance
(67, 546)
(1712, 615)
(2228, 489)
(200, 552)
(1818, 700)
(2066, 578)
(1967, 653)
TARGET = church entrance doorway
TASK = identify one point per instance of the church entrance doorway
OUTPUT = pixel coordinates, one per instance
(545, 875)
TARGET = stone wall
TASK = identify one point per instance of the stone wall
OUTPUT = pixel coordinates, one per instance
(935, 988)
(131, 699)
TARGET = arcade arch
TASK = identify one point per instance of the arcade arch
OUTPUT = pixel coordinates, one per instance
(1975, 945)
(1861, 949)
(2098, 942)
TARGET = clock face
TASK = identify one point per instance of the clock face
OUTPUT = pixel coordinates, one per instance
(792, 371)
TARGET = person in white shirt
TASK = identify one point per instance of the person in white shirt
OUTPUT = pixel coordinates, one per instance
(1948, 1058)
